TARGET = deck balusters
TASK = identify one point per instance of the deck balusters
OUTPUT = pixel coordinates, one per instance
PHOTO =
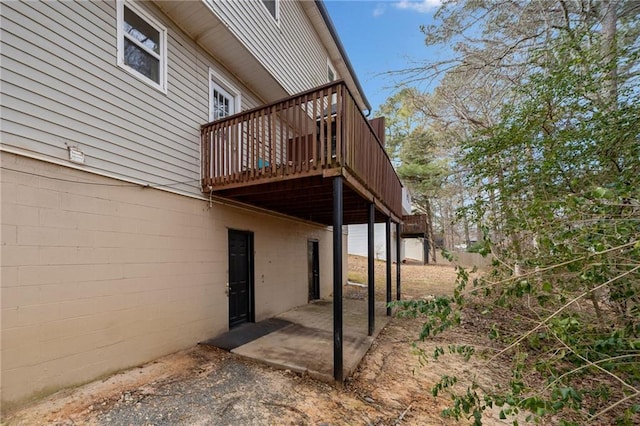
(320, 131)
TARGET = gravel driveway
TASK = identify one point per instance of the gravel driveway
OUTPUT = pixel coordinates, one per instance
(230, 393)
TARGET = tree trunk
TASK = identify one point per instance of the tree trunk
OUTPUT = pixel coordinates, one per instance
(429, 236)
(609, 26)
(465, 221)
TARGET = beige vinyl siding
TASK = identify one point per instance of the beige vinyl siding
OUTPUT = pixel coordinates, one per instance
(62, 86)
(290, 50)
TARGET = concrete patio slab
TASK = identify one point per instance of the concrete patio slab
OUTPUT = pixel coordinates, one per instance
(306, 346)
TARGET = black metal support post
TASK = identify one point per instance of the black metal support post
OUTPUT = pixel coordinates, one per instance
(398, 240)
(388, 235)
(371, 295)
(337, 278)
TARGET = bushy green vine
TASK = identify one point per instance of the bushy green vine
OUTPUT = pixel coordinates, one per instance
(559, 203)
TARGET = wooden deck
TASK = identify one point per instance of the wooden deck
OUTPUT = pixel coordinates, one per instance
(281, 157)
(414, 226)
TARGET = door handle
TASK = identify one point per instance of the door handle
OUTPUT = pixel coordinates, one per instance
(226, 289)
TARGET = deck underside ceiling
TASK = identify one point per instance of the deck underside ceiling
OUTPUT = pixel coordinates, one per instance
(309, 198)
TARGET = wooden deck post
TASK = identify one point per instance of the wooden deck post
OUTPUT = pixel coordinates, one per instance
(338, 207)
(388, 235)
(371, 295)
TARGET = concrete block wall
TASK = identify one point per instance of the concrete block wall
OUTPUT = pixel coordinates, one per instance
(98, 275)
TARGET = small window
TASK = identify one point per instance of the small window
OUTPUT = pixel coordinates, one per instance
(331, 72)
(273, 6)
(142, 45)
(222, 103)
(224, 98)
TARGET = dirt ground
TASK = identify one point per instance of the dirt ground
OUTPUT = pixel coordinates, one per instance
(205, 385)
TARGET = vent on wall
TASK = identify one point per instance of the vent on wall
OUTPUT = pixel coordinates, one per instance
(75, 155)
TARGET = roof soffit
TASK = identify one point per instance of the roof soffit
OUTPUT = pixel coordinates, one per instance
(200, 22)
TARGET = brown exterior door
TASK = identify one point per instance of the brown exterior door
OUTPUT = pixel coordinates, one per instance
(314, 270)
(240, 278)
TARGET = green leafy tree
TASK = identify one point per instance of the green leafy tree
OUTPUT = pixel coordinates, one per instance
(417, 153)
(558, 167)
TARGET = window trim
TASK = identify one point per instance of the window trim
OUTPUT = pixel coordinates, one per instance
(277, 12)
(331, 68)
(162, 30)
(217, 79)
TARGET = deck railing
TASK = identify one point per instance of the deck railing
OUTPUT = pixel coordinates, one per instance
(414, 224)
(304, 135)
